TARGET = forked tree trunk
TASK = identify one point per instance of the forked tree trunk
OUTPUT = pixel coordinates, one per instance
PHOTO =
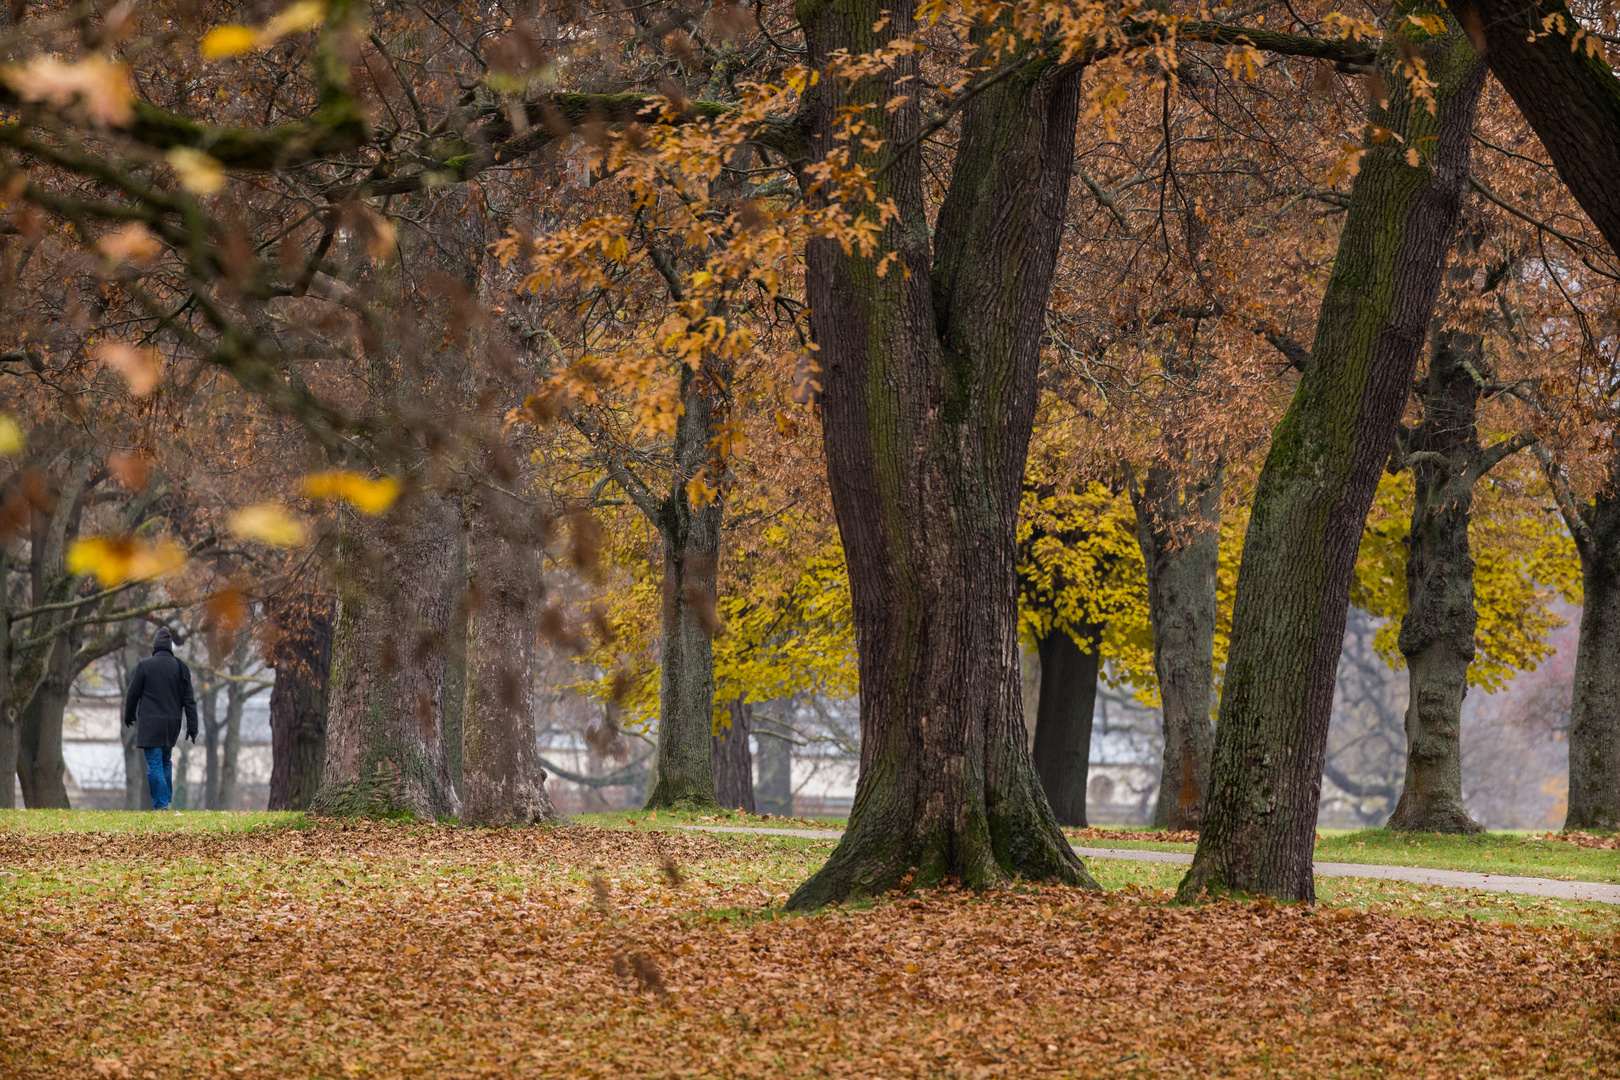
(1178, 529)
(298, 703)
(502, 781)
(1068, 699)
(928, 370)
(1311, 502)
(1437, 633)
(385, 750)
(734, 761)
(1594, 716)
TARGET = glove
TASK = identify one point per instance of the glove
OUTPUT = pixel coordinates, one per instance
(191, 735)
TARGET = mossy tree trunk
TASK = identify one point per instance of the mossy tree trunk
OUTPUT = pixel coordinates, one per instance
(1594, 716)
(298, 702)
(1178, 523)
(1437, 632)
(385, 751)
(1067, 702)
(929, 392)
(502, 781)
(1317, 484)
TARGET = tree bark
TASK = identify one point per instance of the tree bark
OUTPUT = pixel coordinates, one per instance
(207, 691)
(385, 752)
(1068, 698)
(774, 792)
(1570, 97)
(455, 670)
(1178, 529)
(929, 392)
(1594, 717)
(1437, 632)
(39, 733)
(1318, 480)
(734, 760)
(298, 702)
(502, 781)
(230, 749)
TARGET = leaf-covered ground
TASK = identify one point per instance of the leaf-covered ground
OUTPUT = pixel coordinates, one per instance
(392, 950)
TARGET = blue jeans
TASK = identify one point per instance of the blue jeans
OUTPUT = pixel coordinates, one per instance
(159, 775)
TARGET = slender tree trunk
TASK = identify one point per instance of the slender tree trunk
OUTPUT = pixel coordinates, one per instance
(39, 760)
(1594, 718)
(503, 781)
(734, 760)
(298, 701)
(1068, 698)
(1178, 528)
(385, 751)
(928, 367)
(181, 796)
(207, 691)
(1312, 499)
(1437, 632)
(774, 792)
(230, 748)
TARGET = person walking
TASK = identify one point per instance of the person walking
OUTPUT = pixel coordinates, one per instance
(159, 691)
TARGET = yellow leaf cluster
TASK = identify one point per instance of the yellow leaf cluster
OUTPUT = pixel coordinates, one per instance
(116, 560)
(233, 39)
(364, 494)
(269, 523)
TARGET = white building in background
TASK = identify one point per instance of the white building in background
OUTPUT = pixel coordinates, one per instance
(94, 755)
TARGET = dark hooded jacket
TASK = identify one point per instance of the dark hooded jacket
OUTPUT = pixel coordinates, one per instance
(159, 693)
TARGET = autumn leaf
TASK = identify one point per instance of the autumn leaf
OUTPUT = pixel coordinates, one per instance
(233, 39)
(100, 85)
(116, 560)
(269, 523)
(199, 173)
(140, 368)
(12, 439)
(367, 496)
(132, 243)
(227, 41)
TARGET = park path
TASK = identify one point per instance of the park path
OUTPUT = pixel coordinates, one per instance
(1593, 891)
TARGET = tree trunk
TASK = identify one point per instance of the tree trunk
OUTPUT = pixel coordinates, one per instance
(1312, 499)
(207, 691)
(1437, 632)
(455, 669)
(928, 367)
(181, 796)
(135, 790)
(230, 748)
(734, 761)
(1068, 698)
(1594, 718)
(774, 792)
(39, 733)
(503, 781)
(1178, 528)
(1569, 96)
(298, 701)
(385, 752)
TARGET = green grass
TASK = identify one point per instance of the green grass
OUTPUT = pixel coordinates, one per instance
(147, 821)
(1485, 853)
(665, 819)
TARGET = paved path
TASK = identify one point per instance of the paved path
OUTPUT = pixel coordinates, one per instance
(1453, 879)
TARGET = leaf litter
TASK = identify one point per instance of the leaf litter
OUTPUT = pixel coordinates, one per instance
(388, 950)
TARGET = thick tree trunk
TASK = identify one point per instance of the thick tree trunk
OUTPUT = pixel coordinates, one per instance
(502, 781)
(1178, 528)
(1570, 96)
(1068, 698)
(1594, 718)
(455, 670)
(385, 752)
(734, 760)
(39, 733)
(298, 703)
(1437, 633)
(1312, 499)
(929, 396)
(774, 792)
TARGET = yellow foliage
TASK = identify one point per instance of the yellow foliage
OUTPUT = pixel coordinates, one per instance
(116, 560)
(198, 172)
(228, 40)
(12, 439)
(367, 496)
(1522, 562)
(269, 523)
